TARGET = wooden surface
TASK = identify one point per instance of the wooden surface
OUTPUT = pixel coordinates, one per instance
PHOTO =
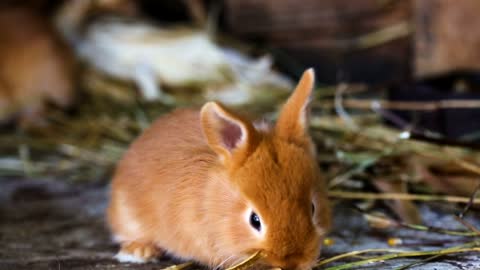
(329, 35)
(447, 36)
(48, 224)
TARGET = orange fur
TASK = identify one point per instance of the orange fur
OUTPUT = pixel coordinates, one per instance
(35, 67)
(188, 182)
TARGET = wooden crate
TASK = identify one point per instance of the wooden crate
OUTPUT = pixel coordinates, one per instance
(447, 36)
(335, 36)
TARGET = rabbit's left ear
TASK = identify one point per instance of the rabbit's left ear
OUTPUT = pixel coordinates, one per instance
(227, 134)
(292, 124)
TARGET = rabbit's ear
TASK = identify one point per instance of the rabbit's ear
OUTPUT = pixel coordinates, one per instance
(293, 120)
(227, 134)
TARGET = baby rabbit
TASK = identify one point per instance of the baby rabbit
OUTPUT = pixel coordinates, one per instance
(212, 187)
(35, 67)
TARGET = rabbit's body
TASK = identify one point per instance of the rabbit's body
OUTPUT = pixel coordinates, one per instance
(209, 186)
(182, 176)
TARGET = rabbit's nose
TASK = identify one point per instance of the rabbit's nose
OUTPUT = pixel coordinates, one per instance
(287, 268)
(293, 266)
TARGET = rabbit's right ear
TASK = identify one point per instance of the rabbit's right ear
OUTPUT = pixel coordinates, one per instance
(227, 134)
(293, 121)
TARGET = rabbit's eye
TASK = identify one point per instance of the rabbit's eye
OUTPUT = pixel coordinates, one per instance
(313, 208)
(255, 221)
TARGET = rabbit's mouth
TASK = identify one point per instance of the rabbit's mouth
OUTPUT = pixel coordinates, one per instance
(293, 261)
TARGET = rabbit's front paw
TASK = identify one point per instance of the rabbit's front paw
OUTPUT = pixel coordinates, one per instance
(136, 252)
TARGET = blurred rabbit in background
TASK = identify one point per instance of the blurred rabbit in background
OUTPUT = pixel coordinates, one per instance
(35, 67)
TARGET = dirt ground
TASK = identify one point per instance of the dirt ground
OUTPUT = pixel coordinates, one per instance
(48, 224)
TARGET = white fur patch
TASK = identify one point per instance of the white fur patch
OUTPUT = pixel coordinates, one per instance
(262, 125)
(127, 216)
(128, 258)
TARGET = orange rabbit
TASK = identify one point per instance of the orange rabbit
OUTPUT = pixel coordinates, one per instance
(35, 66)
(212, 187)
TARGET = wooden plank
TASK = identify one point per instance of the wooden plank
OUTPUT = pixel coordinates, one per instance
(447, 36)
(326, 34)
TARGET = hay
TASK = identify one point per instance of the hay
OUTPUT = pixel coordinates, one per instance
(85, 144)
